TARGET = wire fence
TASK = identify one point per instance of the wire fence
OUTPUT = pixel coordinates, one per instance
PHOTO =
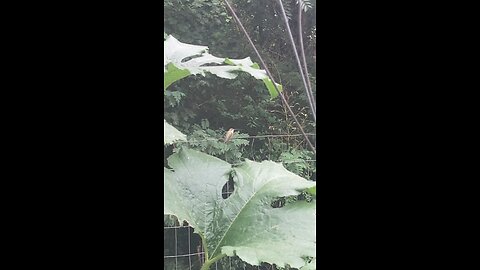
(183, 249)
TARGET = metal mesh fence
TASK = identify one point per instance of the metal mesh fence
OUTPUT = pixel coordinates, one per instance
(183, 249)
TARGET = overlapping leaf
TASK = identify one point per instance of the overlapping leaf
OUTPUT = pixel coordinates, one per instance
(181, 60)
(244, 224)
(171, 134)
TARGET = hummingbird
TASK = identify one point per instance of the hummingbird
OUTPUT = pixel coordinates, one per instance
(229, 135)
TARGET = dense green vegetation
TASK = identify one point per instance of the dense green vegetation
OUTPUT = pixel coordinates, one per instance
(204, 107)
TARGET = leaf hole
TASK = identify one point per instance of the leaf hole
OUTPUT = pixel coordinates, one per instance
(228, 188)
(278, 203)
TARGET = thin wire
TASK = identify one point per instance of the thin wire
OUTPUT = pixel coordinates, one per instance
(270, 75)
(258, 136)
(176, 227)
(189, 250)
(287, 161)
(183, 255)
(302, 48)
(299, 160)
(176, 253)
(251, 150)
(309, 94)
(280, 135)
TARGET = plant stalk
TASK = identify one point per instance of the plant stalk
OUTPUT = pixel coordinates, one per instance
(208, 263)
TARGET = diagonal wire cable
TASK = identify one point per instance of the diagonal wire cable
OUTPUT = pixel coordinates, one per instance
(307, 90)
(302, 50)
(237, 20)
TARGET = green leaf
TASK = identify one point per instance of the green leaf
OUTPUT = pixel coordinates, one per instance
(245, 224)
(181, 60)
(171, 134)
(312, 191)
(271, 88)
(174, 74)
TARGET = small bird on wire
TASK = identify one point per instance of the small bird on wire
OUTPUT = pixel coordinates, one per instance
(229, 135)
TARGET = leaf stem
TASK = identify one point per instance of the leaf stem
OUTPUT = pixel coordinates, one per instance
(208, 263)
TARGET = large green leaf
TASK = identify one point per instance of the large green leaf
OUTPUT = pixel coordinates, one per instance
(181, 60)
(244, 224)
(171, 134)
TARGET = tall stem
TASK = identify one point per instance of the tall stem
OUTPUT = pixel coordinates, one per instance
(208, 263)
